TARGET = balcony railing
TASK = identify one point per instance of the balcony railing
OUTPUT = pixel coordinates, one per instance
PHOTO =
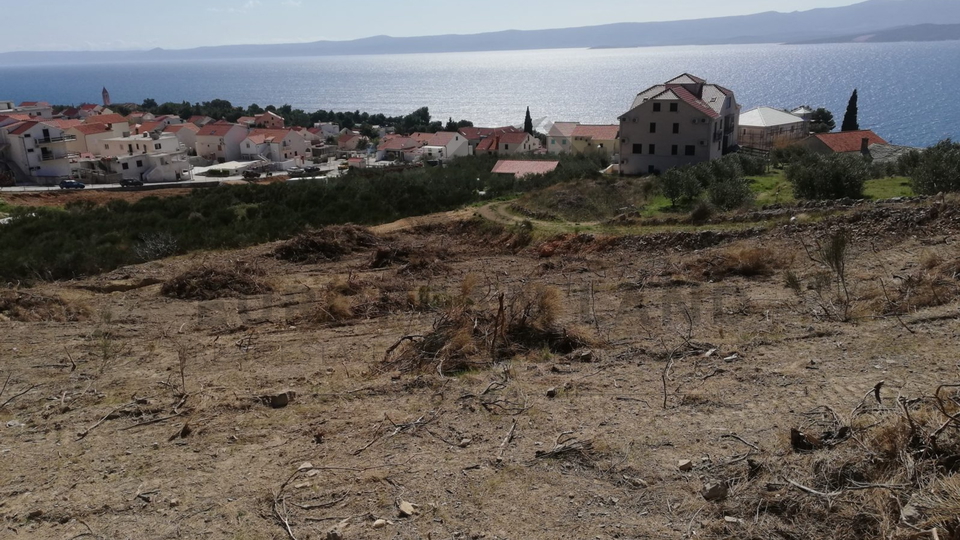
(48, 140)
(55, 157)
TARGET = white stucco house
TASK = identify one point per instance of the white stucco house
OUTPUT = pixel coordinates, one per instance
(445, 145)
(38, 151)
(149, 157)
(220, 141)
(276, 145)
(560, 137)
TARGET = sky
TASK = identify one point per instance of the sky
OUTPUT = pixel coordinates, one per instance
(180, 24)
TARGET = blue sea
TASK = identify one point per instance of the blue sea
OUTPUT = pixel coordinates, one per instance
(907, 91)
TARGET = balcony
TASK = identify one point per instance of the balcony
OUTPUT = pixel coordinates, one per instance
(50, 156)
(48, 140)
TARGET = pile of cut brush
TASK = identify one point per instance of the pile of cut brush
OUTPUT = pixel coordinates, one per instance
(19, 305)
(889, 469)
(326, 244)
(466, 336)
(412, 262)
(207, 282)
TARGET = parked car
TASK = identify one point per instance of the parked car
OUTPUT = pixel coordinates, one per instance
(71, 184)
(344, 166)
(295, 172)
(130, 182)
(311, 171)
(251, 174)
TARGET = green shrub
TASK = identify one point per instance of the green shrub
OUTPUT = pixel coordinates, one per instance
(681, 185)
(84, 239)
(834, 176)
(937, 169)
(730, 194)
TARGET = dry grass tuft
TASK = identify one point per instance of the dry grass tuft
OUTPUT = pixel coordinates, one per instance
(892, 474)
(467, 337)
(17, 305)
(739, 261)
(326, 244)
(207, 282)
(935, 283)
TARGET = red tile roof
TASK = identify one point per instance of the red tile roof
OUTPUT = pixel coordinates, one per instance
(475, 133)
(395, 144)
(249, 120)
(514, 137)
(442, 138)
(19, 117)
(421, 137)
(88, 107)
(216, 129)
(92, 129)
(105, 119)
(63, 123)
(147, 127)
(22, 127)
(600, 133)
(849, 141)
(490, 143)
(692, 100)
(524, 168)
(175, 128)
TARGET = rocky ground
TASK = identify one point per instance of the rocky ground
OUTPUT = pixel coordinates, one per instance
(471, 380)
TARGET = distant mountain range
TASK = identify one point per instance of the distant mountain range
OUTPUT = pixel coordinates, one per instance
(917, 32)
(873, 20)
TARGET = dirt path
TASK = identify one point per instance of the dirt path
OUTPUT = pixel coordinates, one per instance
(430, 219)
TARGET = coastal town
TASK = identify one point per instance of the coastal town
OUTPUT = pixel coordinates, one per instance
(683, 121)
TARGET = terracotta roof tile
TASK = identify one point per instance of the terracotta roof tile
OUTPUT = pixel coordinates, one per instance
(849, 141)
(22, 127)
(217, 129)
(598, 132)
(175, 128)
(92, 129)
(524, 168)
(105, 119)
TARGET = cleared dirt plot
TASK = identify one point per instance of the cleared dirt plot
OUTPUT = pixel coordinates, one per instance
(453, 377)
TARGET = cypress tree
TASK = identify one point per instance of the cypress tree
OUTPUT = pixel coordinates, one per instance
(850, 117)
(528, 123)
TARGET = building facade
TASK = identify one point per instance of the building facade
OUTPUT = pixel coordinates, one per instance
(766, 128)
(680, 122)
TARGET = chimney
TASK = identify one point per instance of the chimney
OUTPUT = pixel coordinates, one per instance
(864, 146)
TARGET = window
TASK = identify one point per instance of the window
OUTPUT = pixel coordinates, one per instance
(156, 146)
(506, 147)
(637, 148)
(653, 127)
(563, 141)
(689, 150)
(139, 163)
(656, 107)
(674, 150)
(674, 107)
(676, 127)
(126, 166)
(650, 169)
(29, 150)
(652, 149)
(106, 146)
(553, 141)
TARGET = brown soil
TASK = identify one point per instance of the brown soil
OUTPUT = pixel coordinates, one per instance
(95, 196)
(153, 417)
